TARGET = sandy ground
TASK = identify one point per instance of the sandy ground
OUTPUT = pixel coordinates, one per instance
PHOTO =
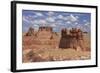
(34, 55)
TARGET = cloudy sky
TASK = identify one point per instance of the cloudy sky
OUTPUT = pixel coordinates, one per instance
(56, 20)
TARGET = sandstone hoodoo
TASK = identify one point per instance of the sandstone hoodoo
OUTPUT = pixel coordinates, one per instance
(30, 32)
(72, 38)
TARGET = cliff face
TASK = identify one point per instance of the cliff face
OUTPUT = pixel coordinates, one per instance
(72, 38)
(43, 38)
(44, 33)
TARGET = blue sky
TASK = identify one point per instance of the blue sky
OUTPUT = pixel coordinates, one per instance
(55, 19)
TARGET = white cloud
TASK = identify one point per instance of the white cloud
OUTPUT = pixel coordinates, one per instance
(39, 22)
(77, 17)
(72, 18)
(60, 22)
(79, 26)
(87, 24)
(60, 17)
(68, 22)
(30, 16)
(34, 22)
(66, 18)
(33, 16)
(50, 13)
(76, 23)
(35, 27)
(50, 19)
(53, 25)
(25, 19)
(38, 14)
(84, 20)
(54, 28)
(42, 21)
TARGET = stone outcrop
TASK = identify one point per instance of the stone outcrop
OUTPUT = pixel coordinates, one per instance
(43, 38)
(46, 38)
(72, 38)
(65, 39)
(30, 32)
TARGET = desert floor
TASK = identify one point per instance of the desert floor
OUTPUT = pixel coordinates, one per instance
(42, 55)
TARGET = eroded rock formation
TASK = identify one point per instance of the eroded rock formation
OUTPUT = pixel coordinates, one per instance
(72, 38)
(46, 38)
